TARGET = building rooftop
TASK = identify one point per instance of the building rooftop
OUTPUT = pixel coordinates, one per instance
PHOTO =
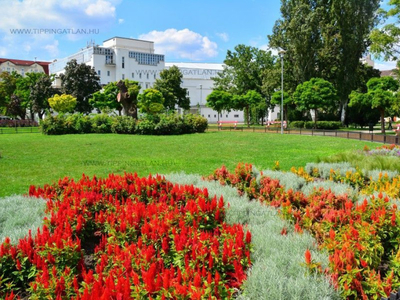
(20, 62)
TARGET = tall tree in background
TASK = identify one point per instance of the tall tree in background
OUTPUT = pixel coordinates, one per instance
(386, 39)
(40, 92)
(325, 39)
(80, 81)
(169, 84)
(151, 101)
(244, 70)
(8, 84)
(245, 102)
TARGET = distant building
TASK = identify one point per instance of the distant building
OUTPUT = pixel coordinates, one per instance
(118, 58)
(197, 79)
(368, 60)
(392, 73)
(23, 66)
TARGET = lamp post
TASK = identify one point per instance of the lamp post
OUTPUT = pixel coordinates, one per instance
(281, 54)
(201, 96)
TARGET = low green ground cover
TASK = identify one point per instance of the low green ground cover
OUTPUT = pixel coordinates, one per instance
(38, 159)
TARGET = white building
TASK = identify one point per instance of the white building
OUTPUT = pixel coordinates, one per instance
(124, 58)
(197, 79)
(118, 58)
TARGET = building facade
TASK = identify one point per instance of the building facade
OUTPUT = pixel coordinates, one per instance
(23, 66)
(118, 58)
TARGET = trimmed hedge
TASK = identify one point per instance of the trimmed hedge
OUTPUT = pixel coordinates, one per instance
(163, 124)
(330, 125)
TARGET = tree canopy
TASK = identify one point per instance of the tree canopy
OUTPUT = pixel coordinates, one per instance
(325, 39)
(170, 86)
(219, 100)
(80, 81)
(316, 94)
(381, 96)
(106, 98)
(151, 101)
(63, 103)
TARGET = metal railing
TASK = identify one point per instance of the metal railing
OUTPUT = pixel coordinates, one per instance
(356, 135)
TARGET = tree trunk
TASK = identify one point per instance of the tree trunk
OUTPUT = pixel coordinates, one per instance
(382, 120)
(248, 116)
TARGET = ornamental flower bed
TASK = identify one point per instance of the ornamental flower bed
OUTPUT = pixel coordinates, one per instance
(125, 237)
(363, 240)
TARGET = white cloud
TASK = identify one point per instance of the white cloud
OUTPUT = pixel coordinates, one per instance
(386, 65)
(184, 44)
(223, 36)
(39, 15)
(100, 8)
(120, 21)
(3, 51)
(52, 49)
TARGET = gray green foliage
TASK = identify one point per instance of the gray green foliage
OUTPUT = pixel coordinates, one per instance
(20, 214)
(289, 180)
(277, 271)
(324, 169)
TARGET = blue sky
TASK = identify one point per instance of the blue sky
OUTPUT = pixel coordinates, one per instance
(183, 30)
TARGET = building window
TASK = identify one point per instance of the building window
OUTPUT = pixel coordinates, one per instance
(154, 76)
(108, 73)
(236, 116)
(98, 72)
(147, 85)
(209, 116)
(226, 115)
(140, 75)
(133, 75)
(123, 76)
(123, 62)
(202, 115)
(215, 116)
(147, 75)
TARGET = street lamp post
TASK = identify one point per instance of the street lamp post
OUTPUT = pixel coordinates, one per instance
(201, 96)
(281, 54)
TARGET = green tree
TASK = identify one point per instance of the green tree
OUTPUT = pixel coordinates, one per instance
(276, 99)
(243, 70)
(381, 95)
(317, 95)
(244, 102)
(40, 92)
(219, 100)
(8, 84)
(23, 90)
(15, 107)
(325, 39)
(151, 101)
(106, 98)
(80, 81)
(63, 103)
(386, 39)
(169, 84)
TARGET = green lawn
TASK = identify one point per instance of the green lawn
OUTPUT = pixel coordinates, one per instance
(38, 159)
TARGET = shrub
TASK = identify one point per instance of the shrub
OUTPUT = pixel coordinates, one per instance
(123, 125)
(145, 127)
(101, 123)
(53, 125)
(197, 122)
(168, 125)
(296, 124)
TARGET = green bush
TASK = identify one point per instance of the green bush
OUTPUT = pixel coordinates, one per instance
(101, 123)
(53, 125)
(196, 122)
(329, 125)
(161, 124)
(123, 125)
(296, 124)
(145, 127)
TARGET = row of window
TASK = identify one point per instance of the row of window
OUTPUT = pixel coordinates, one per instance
(102, 51)
(146, 58)
(123, 75)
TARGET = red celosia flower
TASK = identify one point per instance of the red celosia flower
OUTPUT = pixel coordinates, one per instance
(307, 255)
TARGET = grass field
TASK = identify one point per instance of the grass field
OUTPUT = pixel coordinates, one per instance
(38, 159)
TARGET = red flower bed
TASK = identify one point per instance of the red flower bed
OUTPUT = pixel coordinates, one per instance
(363, 240)
(126, 237)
